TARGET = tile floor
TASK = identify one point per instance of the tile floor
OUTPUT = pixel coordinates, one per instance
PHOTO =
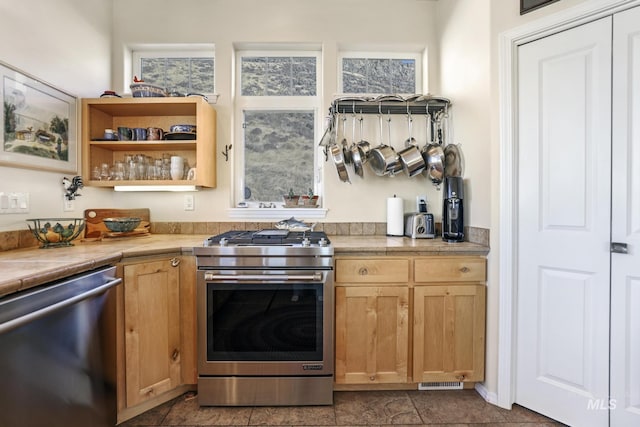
(455, 408)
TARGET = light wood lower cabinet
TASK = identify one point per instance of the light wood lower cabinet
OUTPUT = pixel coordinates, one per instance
(448, 333)
(156, 333)
(372, 332)
(409, 319)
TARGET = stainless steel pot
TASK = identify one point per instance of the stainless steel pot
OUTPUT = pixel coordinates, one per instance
(383, 159)
(410, 157)
(338, 160)
(356, 153)
(433, 155)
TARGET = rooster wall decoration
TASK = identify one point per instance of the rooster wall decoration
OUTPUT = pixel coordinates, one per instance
(71, 187)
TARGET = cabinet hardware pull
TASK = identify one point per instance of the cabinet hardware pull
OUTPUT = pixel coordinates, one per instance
(372, 378)
(175, 262)
(363, 271)
(174, 355)
(464, 269)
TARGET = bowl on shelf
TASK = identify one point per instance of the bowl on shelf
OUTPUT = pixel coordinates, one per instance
(122, 224)
(146, 90)
(56, 232)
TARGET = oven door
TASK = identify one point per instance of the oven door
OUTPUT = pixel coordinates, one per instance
(265, 323)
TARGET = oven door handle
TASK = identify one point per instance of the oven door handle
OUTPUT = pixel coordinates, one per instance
(315, 277)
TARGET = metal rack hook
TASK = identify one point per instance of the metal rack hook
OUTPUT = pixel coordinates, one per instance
(225, 153)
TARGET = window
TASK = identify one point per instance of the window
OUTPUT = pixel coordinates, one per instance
(182, 71)
(277, 107)
(380, 73)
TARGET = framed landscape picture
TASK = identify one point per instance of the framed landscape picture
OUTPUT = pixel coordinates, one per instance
(38, 124)
(527, 6)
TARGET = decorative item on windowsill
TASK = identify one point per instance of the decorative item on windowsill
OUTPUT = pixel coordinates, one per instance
(72, 186)
(140, 89)
(291, 200)
(310, 200)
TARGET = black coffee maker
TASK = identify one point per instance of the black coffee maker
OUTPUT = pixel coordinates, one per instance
(452, 210)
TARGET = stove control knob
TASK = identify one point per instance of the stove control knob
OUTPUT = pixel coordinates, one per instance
(224, 241)
(306, 242)
(322, 241)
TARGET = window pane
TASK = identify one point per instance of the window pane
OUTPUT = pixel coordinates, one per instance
(202, 75)
(177, 76)
(182, 75)
(279, 151)
(378, 75)
(153, 70)
(278, 76)
(403, 76)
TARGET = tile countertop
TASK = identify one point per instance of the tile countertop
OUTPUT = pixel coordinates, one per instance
(26, 268)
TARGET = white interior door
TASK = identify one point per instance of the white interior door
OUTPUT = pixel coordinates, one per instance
(564, 172)
(625, 226)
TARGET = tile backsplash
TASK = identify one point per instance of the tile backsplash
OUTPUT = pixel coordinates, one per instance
(24, 239)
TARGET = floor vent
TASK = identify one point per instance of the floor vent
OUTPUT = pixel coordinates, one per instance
(440, 386)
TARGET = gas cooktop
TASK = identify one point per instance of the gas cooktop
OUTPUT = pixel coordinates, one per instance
(269, 237)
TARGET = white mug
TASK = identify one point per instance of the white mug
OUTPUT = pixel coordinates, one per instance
(177, 161)
(191, 175)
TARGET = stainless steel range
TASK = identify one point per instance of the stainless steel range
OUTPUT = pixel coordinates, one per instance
(265, 318)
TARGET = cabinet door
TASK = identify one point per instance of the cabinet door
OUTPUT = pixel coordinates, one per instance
(448, 333)
(371, 334)
(152, 329)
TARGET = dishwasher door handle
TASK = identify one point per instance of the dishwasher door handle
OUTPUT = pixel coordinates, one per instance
(30, 317)
(210, 277)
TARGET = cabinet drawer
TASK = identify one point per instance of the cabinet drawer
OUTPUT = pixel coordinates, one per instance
(450, 269)
(376, 270)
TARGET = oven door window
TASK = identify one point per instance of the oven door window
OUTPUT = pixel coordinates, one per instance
(264, 322)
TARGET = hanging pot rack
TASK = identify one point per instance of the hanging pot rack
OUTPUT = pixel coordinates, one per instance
(389, 105)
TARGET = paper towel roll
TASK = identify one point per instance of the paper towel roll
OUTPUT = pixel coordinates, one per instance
(395, 216)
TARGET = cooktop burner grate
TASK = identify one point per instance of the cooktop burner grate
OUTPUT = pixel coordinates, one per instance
(268, 237)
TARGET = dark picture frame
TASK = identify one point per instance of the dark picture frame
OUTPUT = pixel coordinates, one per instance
(38, 127)
(527, 6)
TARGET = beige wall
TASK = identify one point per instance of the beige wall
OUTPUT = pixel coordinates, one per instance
(333, 24)
(67, 44)
(468, 32)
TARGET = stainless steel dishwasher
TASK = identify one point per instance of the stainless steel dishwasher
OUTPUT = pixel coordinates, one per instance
(56, 346)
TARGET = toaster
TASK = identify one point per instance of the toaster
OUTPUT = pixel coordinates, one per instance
(419, 225)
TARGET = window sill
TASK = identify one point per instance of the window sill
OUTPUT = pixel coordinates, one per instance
(277, 213)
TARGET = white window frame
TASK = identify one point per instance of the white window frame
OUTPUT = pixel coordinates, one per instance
(266, 103)
(417, 57)
(174, 51)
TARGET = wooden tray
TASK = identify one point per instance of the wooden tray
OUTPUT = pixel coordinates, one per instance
(94, 224)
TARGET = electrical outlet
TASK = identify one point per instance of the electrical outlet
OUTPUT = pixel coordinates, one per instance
(68, 205)
(188, 202)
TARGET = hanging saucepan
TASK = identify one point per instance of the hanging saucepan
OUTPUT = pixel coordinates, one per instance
(338, 159)
(433, 154)
(410, 157)
(453, 159)
(383, 159)
(356, 154)
(346, 153)
(363, 146)
(328, 137)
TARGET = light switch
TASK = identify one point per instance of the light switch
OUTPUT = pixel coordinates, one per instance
(14, 202)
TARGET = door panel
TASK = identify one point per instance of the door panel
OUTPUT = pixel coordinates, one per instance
(625, 227)
(563, 223)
